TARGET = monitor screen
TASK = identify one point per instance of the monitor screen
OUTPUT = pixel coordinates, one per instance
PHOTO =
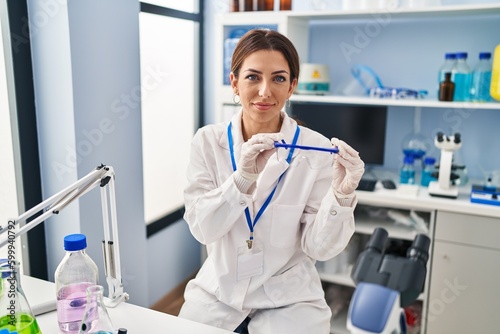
(362, 127)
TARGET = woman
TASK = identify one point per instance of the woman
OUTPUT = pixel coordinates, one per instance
(264, 219)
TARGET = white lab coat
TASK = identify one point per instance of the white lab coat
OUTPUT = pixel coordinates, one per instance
(303, 223)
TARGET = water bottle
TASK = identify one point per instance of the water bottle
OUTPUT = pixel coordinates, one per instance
(450, 60)
(427, 171)
(495, 75)
(461, 75)
(76, 272)
(481, 79)
(407, 172)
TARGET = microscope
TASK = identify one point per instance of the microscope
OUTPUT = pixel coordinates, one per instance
(385, 284)
(446, 186)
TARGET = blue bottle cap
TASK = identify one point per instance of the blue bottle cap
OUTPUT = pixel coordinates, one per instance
(75, 242)
(429, 160)
(409, 159)
(450, 56)
(462, 55)
(484, 55)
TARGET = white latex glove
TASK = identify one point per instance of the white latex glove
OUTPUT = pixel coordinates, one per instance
(348, 169)
(258, 145)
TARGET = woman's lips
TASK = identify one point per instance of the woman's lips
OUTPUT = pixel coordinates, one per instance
(263, 106)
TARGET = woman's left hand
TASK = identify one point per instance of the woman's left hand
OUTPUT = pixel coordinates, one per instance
(348, 169)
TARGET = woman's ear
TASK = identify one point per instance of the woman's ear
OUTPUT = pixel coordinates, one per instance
(292, 87)
(234, 82)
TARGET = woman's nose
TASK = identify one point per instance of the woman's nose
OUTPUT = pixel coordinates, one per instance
(264, 89)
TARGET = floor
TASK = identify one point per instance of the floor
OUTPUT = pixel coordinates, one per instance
(172, 302)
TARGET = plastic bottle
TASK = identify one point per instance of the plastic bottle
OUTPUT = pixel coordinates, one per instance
(450, 59)
(427, 172)
(76, 272)
(96, 319)
(481, 79)
(446, 88)
(461, 76)
(495, 75)
(407, 172)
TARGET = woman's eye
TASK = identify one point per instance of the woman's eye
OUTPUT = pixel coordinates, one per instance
(280, 78)
(252, 77)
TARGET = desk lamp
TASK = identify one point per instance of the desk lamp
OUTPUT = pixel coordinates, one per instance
(385, 284)
(102, 176)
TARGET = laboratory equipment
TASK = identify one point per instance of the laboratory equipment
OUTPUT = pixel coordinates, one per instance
(76, 272)
(385, 284)
(407, 171)
(446, 185)
(15, 312)
(461, 77)
(104, 177)
(428, 172)
(481, 79)
(96, 319)
(397, 93)
(367, 185)
(450, 60)
(446, 88)
(302, 147)
(495, 75)
(485, 194)
(314, 79)
(363, 79)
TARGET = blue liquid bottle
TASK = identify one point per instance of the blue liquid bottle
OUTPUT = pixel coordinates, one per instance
(481, 79)
(461, 75)
(427, 172)
(450, 59)
(407, 172)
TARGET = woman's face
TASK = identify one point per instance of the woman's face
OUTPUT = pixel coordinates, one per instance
(263, 85)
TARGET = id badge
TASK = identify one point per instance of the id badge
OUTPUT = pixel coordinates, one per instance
(250, 261)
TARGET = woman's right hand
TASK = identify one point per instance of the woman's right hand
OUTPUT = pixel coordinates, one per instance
(255, 146)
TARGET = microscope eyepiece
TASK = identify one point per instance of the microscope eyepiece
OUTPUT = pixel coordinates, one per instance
(377, 240)
(440, 136)
(457, 138)
(419, 249)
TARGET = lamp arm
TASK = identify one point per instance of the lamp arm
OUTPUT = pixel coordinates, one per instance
(101, 176)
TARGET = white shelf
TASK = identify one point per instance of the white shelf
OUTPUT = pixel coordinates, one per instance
(396, 231)
(359, 100)
(332, 15)
(340, 279)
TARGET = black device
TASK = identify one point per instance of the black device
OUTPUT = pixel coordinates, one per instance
(366, 185)
(362, 127)
(388, 184)
(403, 274)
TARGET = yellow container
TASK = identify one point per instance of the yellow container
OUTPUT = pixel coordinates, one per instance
(495, 75)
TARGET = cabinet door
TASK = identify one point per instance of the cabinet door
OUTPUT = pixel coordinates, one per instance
(464, 296)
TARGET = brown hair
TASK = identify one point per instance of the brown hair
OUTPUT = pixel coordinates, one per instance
(265, 39)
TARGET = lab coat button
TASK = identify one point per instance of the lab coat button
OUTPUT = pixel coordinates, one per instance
(333, 212)
(242, 203)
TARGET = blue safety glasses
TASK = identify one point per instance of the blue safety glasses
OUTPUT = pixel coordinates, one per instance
(306, 155)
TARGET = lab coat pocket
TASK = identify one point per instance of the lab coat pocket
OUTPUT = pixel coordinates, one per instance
(285, 225)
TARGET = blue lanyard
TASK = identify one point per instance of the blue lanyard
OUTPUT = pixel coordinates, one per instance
(268, 200)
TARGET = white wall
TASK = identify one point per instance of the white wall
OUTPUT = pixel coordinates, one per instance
(85, 58)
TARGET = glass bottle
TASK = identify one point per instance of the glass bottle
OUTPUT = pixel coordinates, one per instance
(428, 171)
(96, 319)
(407, 172)
(446, 88)
(481, 79)
(461, 76)
(16, 314)
(285, 4)
(449, 62)
(75, 273)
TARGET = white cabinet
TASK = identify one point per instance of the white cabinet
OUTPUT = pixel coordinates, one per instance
(464, 292)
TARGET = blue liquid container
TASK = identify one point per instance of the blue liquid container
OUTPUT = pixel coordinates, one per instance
(427, 172)
(407, 172)
(462, 77)
(450, 59)
(481, 79)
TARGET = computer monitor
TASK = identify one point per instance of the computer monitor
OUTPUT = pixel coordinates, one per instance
(362, 127)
